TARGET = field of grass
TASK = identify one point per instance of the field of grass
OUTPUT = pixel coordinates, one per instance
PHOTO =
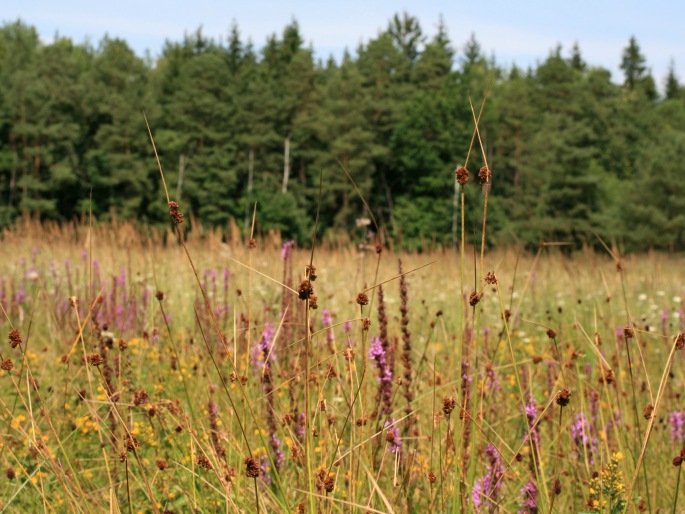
(138, 377)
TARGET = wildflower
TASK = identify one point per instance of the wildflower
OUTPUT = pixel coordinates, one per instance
(160, 295)
(677, 421)
(582, 437)
(161, 464)
(431, 477)
(362, 298)
(489, 485)
(7, 364)
(287, 250)
(551, 333)
(15, 338)
(530, 495)
(677, 460)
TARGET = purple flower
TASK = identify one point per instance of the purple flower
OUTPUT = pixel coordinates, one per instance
(488, 486)
(530, 495)
(377, 353)
(287, 250)
(263, 346)
(677, 421)
(531, 415)
(582, 437)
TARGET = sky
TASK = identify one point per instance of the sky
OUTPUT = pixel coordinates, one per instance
(520, 32)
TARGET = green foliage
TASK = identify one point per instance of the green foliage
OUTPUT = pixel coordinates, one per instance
(571, 152)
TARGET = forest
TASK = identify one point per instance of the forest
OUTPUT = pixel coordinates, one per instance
(575, 156)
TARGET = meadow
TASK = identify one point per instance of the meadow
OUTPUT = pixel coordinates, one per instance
(142, 375)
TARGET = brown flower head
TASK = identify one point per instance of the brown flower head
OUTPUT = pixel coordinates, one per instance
(95, 359)
(431, 477)
(11, 474)
(648, 411)
(680, 341)
(204, 463)
(551, 333)
(311, 272)
(251, 467)
(175, 213)
(677, 461)
(628, 332)
(131, 442)
(305, 290)
(160, 295)
(491, 278)
(329, 484)
(15, 338)
(252, 244)
(363, 299)
(162, 464)
(448, 405)
(462, 175)
(474, 298)
(366, 323)
(7, 364)
(484, 175)
(563, 397)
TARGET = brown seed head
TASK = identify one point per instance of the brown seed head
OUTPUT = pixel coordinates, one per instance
(15, 338)
(160, 295)
(448, 405)
(484, 175)
(7, 364)
(390, 436)
(329, 484)
(431, 477)
(11, 474)
(491, 278)
(361, 422)
(363, 299)
(628, 332)
(310, 271)
(551, 333)
(252, 244)
(563, 397)
(680, 341)
(474, 298)
(379, 248)
(366, 323)
(305, 290)
(204, 463)
(648, 411)
(161, 464)
(131, 442)
(175, 213)
(677, 461)
(462, 175)
(251, 467)
(95, 359)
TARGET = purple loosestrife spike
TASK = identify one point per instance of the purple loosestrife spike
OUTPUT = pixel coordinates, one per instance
(677, 421)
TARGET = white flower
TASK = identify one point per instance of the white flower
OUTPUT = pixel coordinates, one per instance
(677, 299)
(642, 297)
(660, 293)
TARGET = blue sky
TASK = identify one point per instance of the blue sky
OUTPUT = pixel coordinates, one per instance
(515, 31)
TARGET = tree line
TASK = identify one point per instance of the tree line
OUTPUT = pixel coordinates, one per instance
(573, 155)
